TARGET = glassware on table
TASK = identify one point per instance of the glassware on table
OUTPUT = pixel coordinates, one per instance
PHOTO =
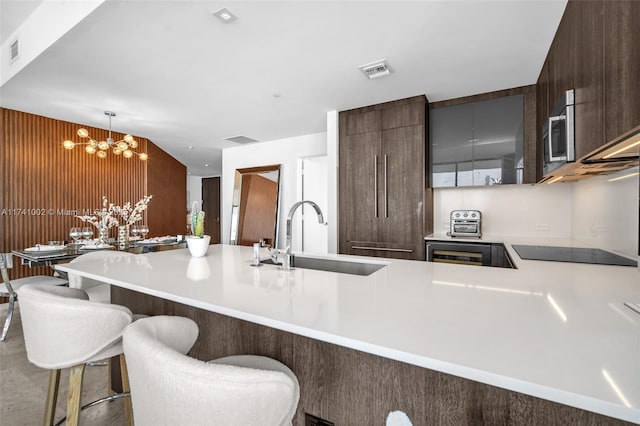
(87, 233)
(135, 231)
(75, 233)
(144, 230)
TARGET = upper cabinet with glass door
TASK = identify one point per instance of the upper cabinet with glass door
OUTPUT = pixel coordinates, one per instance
(477, 143)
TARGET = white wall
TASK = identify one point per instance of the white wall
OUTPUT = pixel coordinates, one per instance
(194, 189)
(282, 151)
(513, 210)
(332, 180)
(601, 212)
(605, 213)
(313, 174)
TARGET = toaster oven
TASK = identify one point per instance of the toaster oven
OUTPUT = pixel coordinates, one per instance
(465, 223)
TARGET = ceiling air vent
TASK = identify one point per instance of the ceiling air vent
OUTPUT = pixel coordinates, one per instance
(14, 50)
(241, 139)
(375, 69)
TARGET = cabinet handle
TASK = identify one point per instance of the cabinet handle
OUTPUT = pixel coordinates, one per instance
(375, 185)
(386, 198)
(382, 249)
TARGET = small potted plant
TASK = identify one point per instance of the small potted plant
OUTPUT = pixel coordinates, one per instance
(198, 243)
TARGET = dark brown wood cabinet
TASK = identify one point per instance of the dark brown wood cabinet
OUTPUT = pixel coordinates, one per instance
(382, 180)
(542, 112)
(596, 51)
(589, 77)
(621, 66)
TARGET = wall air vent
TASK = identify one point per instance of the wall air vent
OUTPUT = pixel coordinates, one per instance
(375, 69)
(241, 139)
(14, 50)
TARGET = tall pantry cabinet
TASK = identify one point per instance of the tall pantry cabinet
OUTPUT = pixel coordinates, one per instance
(385, 207)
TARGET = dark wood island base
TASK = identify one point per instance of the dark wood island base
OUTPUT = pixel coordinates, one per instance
(349, 387)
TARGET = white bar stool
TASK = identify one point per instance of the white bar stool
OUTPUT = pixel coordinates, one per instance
(63, 329)
(170, 388)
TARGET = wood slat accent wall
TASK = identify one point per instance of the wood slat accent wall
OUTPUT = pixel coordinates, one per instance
(167, 182)
(53, 184)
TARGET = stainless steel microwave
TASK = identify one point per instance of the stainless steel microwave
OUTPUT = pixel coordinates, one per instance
(558, 133)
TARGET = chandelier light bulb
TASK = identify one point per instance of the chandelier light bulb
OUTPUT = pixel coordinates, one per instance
(117, 151)
(128, 138)
(127, 153)
(90, 149)
(144, 156)
(102, 154)
(68, 144)
(122, 145)
(103, 145)
(83, 133)
(133, 143)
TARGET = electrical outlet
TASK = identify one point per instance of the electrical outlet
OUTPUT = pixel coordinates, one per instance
(597, 230)
(542, 226)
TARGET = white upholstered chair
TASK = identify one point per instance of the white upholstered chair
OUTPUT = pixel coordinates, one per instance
(170, 388)
(11, 288)
(63, 329)
(98, 291)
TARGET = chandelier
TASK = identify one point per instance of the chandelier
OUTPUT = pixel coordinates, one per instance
(124, 147)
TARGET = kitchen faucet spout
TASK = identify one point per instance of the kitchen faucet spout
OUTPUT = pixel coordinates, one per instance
(290, 218)
(286, 263)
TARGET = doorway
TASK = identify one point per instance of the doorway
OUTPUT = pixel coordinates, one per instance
(211, 205)
(313, 184)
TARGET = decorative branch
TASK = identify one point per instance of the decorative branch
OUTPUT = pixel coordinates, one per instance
(107, 217)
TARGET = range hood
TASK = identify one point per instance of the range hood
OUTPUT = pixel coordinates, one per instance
(619, 154)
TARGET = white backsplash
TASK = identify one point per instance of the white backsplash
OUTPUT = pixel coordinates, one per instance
(596, 210)
(514, 210)
(605, 213)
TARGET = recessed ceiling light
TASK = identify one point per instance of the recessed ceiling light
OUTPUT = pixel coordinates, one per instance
(206, 165)
(225, 16)
(189, 147)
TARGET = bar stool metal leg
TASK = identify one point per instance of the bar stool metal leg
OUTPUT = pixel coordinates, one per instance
(7, 322)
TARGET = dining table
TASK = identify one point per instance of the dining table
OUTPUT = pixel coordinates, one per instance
(47, 256)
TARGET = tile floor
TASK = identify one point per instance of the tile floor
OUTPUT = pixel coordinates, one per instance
(23, 386)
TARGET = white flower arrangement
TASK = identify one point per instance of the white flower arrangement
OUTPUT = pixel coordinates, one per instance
(107, 217)
(133, 215)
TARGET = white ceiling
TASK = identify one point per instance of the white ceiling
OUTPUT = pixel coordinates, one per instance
(175, 74)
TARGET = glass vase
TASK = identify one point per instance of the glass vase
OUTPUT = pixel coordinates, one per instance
(123, 237)
(103, 235)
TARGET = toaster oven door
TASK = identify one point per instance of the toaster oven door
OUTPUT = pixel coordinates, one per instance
(465, 228)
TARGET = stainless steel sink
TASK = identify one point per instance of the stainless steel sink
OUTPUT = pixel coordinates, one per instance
(331, 265)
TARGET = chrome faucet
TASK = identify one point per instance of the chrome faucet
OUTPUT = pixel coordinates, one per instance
(286, 256)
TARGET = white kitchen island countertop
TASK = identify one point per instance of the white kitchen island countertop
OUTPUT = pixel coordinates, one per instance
(558, 331)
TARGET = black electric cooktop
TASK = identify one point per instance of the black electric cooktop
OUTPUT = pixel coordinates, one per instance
(572, 254)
